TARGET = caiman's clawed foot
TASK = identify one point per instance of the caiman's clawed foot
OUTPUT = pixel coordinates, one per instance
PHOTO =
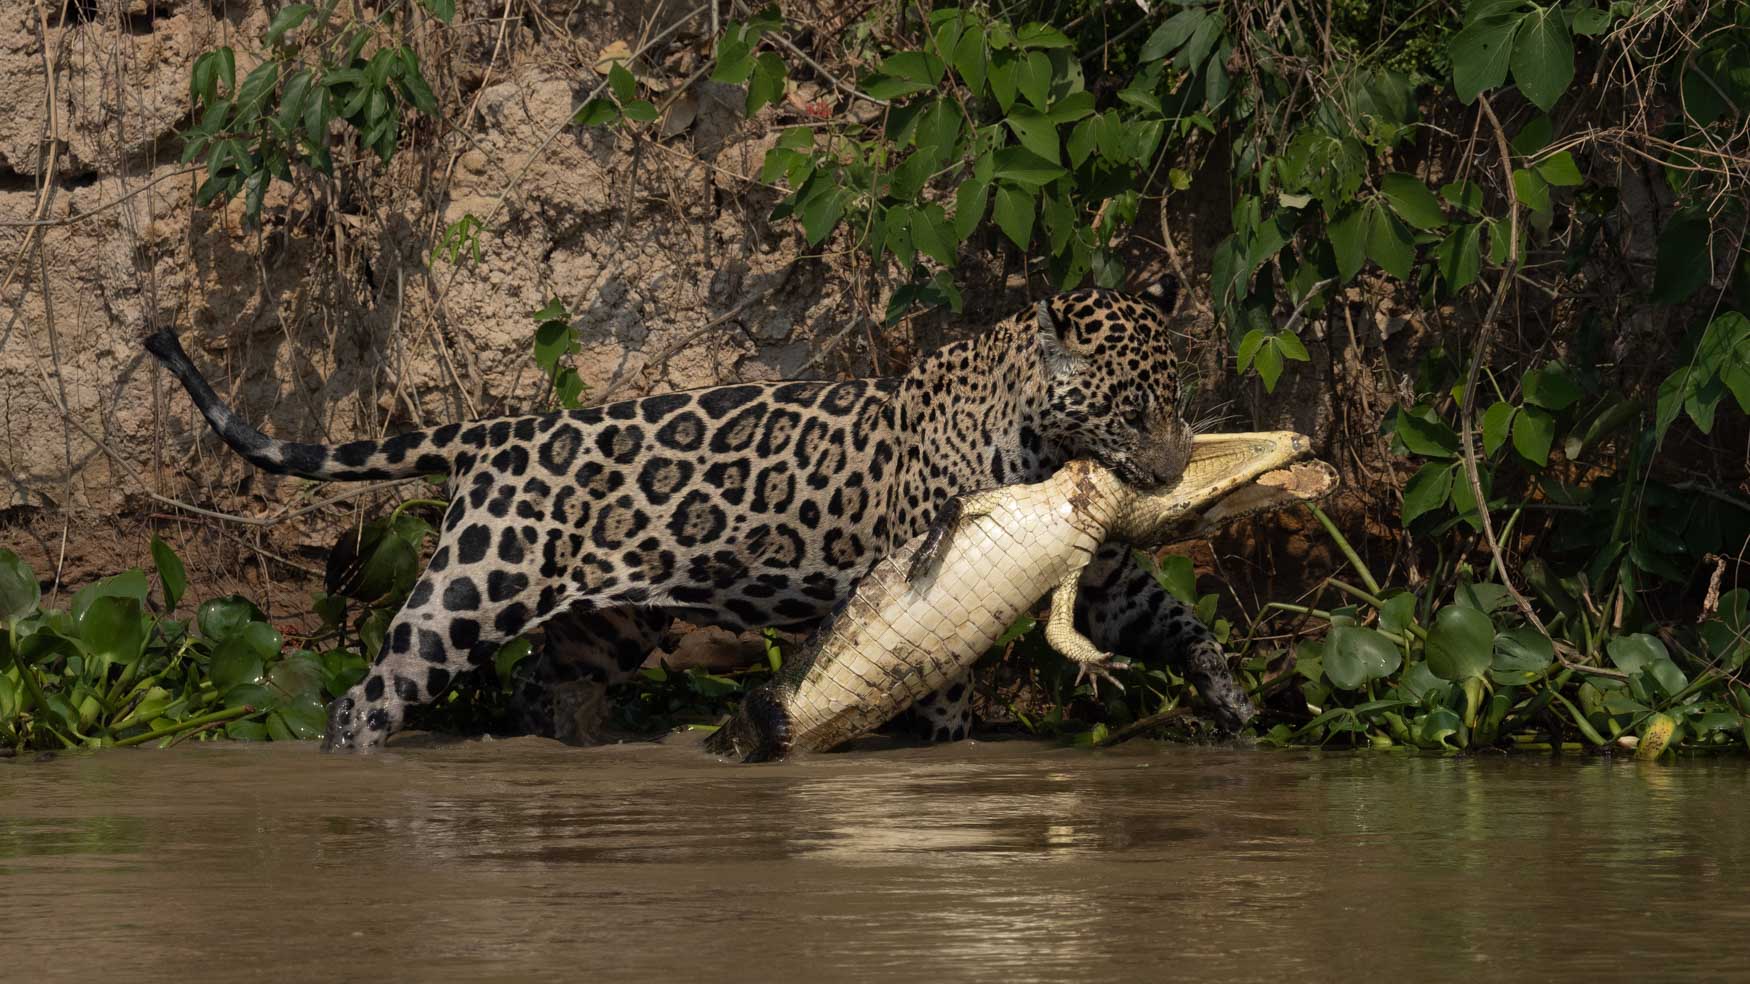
(1094, 671)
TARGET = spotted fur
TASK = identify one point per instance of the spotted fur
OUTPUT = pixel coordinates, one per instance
(742, 506)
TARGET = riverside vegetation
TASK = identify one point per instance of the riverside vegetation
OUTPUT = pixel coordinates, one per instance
(1566, 455)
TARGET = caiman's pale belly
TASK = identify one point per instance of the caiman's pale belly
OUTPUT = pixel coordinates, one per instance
(899, 641)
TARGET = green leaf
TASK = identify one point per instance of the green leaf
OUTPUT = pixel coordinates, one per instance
(971, 58)
(821, 214)
(1590, 21)
(1041, 36)
(1534, 430)
(734, 60)
(597, 112)
(292, 100)
(1348, 233)
(222, 618)
(1532, 190)
(1543, 56)
(1291, 346)
(1464, 195)
(931, 234)
(568, 387)
(1673, 392)
(1036, 132)
(1004, 67)
(130, 584)
(111, 630)
(1398, 613)
(938, 129)
(1060, 222)
(1432, 729)
(970, 201)
(1072, 107)
(1424, 433)
(1082, 141)
(1248, 347)
(1480, 54)
(1460, 643)
(914, 66)
(1560, 170)
(554, 340)
(1683, 263)
(639, 111)
(1497, 424)
(1389, 243)
(1459, 257)
(553, 310)
(235, 663)
(1550, 388)
(19, 591)
(1176, 575)
(1412, 200)
(257, 86)
(1427, 490)
(1636, 652)
(170, 571)
(766, 87)
(444, 10)
(621, 83)
(1534, 136)
(1201, 43)
(1167, 38)
(288, 18)
(1024, 167)
(1269, 364)
(1355, 655)
(1034, 79)
(1014, 214)
(1521, 656)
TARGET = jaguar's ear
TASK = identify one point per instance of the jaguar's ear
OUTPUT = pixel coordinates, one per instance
(1164, 294)
(1057, 357)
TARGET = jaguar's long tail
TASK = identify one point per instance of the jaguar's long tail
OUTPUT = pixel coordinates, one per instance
(402, 456)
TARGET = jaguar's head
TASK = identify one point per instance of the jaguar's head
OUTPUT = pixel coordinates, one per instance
(1113, 381)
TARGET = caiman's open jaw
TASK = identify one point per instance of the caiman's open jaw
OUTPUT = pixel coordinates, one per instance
(1220, 465)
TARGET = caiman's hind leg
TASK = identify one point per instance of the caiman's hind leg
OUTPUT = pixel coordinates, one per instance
(1124, 609)
(455, 620)
(561, 689)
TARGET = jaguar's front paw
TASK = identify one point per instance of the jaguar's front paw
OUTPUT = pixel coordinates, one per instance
(358, 725)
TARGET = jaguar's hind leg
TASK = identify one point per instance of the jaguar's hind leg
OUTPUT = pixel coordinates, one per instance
(454, 620)
(562, 688)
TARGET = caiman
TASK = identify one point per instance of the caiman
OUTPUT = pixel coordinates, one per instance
(930, 609)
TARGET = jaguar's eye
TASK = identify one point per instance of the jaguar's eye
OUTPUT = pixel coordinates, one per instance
(1136, 418)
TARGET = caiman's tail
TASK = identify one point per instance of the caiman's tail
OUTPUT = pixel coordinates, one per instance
(758, 731)
(402, 456)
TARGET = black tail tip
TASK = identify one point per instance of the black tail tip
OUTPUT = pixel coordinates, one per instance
(758, 731)
(163, 344)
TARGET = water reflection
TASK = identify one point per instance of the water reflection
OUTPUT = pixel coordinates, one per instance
(527, 860)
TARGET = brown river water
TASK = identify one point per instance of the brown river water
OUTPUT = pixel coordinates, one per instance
(1009, 860)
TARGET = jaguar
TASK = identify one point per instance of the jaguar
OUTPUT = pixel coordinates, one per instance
(751, 505)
